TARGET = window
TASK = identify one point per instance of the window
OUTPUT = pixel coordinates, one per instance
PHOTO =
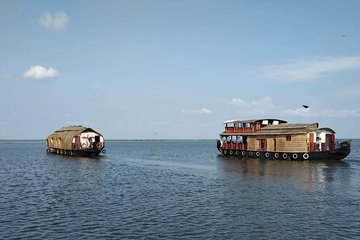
(288, 138)
(262, 144)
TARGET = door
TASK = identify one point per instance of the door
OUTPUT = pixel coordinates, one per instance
(311, 141)
(332, 142)
(262, 144)
(97, 142)
(327, 142)
(77, 142)
(274, 145)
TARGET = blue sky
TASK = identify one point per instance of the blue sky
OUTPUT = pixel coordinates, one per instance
(177, 69)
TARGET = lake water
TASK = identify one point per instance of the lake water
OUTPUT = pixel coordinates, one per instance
(174, 190)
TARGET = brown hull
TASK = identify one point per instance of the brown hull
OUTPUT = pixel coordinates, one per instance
(78, 153)
(338, 154)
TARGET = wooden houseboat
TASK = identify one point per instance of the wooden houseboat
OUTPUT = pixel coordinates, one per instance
(76, 141)
(277, 139)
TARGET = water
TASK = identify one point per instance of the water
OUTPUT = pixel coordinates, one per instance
(174, 190)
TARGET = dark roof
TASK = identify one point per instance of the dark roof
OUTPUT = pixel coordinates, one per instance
(254, 120)
(281, 129)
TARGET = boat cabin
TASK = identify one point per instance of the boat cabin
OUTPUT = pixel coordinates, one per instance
(276, 135)
(75, 140)
(249, 126)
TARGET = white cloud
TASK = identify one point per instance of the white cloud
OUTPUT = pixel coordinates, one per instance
(39, 72)
(56, 21)
(199, 112)
(330, 113)
(254, 107)
(310, 69)
(298, 111)
(265, 107)
(204, 111)
(238, 102)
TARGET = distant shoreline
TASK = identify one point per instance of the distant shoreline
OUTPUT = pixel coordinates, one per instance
(133, 140)
(114, 140)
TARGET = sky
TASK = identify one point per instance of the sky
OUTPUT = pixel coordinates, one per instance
(162, 69)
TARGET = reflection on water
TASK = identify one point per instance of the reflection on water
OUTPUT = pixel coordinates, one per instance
(68, 157)
(320, 171)
(174, 190)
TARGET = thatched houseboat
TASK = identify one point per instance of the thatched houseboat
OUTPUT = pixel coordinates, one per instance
(277, 139)
(76, 141)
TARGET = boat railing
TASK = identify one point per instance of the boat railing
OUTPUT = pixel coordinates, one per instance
(238, 130)
(235, 146)
(96, 145)
(322, 147)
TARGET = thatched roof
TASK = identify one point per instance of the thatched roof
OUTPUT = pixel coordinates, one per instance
(288, 129)
(66, 134)
(70, 131)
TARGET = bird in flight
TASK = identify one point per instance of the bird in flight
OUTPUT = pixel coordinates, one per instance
(305, 106)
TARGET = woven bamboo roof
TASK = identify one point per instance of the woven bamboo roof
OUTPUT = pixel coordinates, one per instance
(289, 126)
(287, 129)
(66, 134)
(72, 128)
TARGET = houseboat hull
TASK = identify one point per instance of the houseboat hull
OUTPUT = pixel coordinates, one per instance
(338, 154)
(76, 153)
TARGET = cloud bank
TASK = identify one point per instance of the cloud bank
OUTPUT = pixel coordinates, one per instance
(198, 112)
(299, 112)
(254, 107)
(264, 107)
(56, 21)
(306, 70)
(39, 72)
(329, 113)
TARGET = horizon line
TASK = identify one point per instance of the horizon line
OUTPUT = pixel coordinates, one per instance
(125, 139)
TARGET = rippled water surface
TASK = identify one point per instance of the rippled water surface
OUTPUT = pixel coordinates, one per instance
(174, 190)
